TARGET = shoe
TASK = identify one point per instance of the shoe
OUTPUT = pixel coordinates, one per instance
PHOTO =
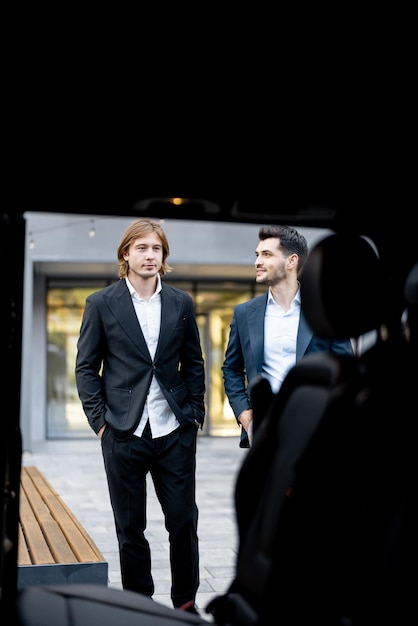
(188, 607)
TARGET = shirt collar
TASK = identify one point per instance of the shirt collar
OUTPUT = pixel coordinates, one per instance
(132, 289)
(295, 299)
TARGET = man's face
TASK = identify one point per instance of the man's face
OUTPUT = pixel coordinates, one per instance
(270, 264)
(145, 256)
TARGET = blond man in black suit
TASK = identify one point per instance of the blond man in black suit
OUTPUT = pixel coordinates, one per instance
(141, 380)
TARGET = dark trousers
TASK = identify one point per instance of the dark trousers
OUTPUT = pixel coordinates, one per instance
(171, 461)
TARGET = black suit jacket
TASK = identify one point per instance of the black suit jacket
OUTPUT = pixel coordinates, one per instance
(114, 368)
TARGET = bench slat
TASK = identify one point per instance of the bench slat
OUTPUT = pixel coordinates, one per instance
(53, 547)
(34, 538)
(57, 542)
(23, 556)
(98, 556)
(45, 531)
(52, 532)
(69, 525)
(72, 534)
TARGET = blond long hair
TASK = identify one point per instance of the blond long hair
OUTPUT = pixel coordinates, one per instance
(138, 229)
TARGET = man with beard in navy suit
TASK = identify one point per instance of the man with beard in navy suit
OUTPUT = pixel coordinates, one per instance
(269, 334)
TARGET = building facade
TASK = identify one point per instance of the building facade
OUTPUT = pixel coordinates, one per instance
(69, 256)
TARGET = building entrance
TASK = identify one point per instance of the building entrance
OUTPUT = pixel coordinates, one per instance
(214, 303)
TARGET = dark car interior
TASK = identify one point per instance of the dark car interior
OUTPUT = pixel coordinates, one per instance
(330, 537)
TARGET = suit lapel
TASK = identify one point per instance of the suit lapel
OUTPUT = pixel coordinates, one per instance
(255, 314)
(304, 337)
(170, 310)
(121, 306)
(256, 311)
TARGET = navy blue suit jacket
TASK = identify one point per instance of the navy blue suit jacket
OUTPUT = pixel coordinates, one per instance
(245, 351)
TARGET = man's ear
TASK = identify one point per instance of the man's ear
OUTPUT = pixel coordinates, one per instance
(292, 260)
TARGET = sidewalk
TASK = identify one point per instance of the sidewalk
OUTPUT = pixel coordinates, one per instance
(75, 469)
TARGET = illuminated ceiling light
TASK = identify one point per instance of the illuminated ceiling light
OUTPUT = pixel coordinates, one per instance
(189, 207)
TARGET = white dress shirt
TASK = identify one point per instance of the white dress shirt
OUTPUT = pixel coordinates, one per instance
(157, 410)
(280, 336)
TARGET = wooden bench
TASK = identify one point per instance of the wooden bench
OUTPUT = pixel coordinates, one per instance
(53, 546)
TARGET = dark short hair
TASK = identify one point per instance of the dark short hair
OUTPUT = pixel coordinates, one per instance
(290, 241)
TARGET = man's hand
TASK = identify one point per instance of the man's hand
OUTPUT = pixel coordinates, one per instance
(246, 418)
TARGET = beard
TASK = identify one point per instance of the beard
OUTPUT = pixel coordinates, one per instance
(272, 279)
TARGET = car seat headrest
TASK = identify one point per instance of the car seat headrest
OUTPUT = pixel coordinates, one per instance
(342, 287)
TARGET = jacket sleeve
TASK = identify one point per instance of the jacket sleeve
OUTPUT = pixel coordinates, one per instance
(192, 369)
(88, 364)
(234, 373)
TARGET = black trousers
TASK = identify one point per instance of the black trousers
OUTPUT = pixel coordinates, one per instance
(171, 461)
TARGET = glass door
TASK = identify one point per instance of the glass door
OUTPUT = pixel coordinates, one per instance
(65, 305)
